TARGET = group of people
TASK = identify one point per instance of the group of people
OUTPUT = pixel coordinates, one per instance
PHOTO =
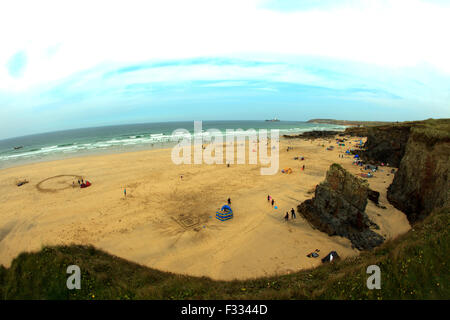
(80, 182)
(286, 217)
(270, 199)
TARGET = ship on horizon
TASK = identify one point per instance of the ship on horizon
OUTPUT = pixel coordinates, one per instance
(273, 120)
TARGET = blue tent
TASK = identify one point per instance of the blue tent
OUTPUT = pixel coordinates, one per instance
(226, 213)
(226, 207)
(356, 156)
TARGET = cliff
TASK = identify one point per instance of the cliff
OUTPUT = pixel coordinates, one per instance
(421, 151)
(386, 144)
(421, 183)
(357, 131)
(338, 209)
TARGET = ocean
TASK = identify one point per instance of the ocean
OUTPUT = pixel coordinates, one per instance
(125, 138)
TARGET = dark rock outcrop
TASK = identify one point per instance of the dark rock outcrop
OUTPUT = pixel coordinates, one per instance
(313, 135)
(421, 183)
(357, 131)
(338, 209)
(374, 196)
(386, 144)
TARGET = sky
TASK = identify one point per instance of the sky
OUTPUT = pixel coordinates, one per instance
(74, 64)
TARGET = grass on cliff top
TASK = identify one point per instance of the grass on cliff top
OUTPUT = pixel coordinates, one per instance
(413, 266)
(433, 130)
(350, 122)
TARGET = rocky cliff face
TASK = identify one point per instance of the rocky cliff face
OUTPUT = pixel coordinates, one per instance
(421, 151)
(357, 131)
(386, 144)
(421, 183)
(338, 209)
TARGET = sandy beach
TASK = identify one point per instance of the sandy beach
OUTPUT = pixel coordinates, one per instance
(169, 223)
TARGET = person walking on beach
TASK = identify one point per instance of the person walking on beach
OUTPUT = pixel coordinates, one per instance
(286, 217)
(268, 198)
(125, 192)
(273, 202)
(229, 201)
(293, 213)
(303, 168)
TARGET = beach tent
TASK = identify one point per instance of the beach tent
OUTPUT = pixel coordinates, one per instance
(330, 257)
(356, 156)
(226, 213)
(226, 207)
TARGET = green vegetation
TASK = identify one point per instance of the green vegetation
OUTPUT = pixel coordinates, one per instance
(432, 130)
(413, 266)
(350, 122)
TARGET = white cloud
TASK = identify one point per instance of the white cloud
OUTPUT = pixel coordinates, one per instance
(60, 38)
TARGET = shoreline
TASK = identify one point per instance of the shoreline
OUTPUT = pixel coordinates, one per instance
(44, 148)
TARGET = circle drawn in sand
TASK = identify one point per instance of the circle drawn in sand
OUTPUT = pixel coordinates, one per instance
(58, 183)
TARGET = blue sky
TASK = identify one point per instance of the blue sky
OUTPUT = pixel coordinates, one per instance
(96, 63)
